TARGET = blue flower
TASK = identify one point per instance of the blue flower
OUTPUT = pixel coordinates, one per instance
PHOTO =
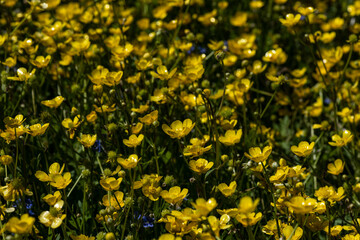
(97, 146)
(148, 222)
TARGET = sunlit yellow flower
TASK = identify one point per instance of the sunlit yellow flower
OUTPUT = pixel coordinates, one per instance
(105, 108)
(53, 103)
(10, 62)
(71, 125)
(227, 190)
(290, 20)
(335, 230)
(239, 19)
(304, 149)
(248, 219)
(37, 129)
(129, 162)
(178, 129)
(231, 137)
(149, 118)
(162, 73)
(111, 183)
(133, 140)
(341, 141)
(257, 155)
(61, 181)
(20, 226)
(87, 140)
(54, 217)
(22, 75)
(150, 186)
(200, 166)
(141, 109)
(247, 205)
(300, 205)
(204, 207)
(336, 167)
(174, 195)
(40, 61)
(54, 169)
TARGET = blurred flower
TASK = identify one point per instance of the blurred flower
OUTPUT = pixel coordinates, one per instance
(336, 167)
(257, 155)
(341, 141)
(53, 103)
(87, 140)
(227, 190)
(20, 226)
(200, 166)
(231, 137)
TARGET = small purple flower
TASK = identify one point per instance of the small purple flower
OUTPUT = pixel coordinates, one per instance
(97, 146)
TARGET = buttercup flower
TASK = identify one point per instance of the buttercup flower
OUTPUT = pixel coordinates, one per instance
(54, 217)
(257, 155)
(37, 129)
(133, 140)
(72, 125)
(129, 162)
(231, 137)
(336, 167)
(23, 75)
(111, 183)
(149, 118)
(53, 103)
(174, 195)
(87, 140)
(304, 149)
(227, 190)
(341, 141)
(20, 226)
(200, 166)
(178, 129)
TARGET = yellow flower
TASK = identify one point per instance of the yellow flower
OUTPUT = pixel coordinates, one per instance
(227, 190)
(329, 193)
(130, 162)
(231, 137)
(22, 75)
(304, 149)
(14, 122)
(81, 237)
(141, 109)
(51, 199)
(239, 19)
(335, 230)
(204, 207)
(248, 219)
(178, 129)
(53, 103)
(341, 141)
(174, 195)
(257, 155)
(40, 61)
(162, 73)
(300, 205)
(20, 226)
(257, 67)
(37, 129)
(61, 181)
(290, 20)
(54, 217)
(91, 117)
(6, 159)
(54, 169)
(200, 166)
(336, 167)
(149, 118)
(87, 140)
(137, 128)
(71, 125)
(111, 183)
(133, 140)
(115, 200)
(150, 186)
(288, 230)
(168, 236)
(10, 62)
(247, 205)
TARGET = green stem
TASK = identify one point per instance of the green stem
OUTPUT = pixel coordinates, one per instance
(250, 233)
(293, 232)
(273, 199)
(74, 185)
(268, 104)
